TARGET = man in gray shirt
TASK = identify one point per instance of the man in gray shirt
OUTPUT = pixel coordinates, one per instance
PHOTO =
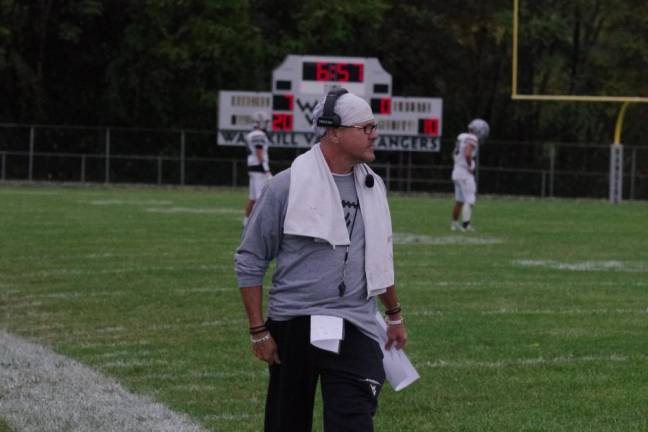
(314, 277)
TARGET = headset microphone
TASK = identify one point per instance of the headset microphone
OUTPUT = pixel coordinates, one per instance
(369, 180)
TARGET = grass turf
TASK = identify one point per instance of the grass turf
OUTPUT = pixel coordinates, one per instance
(536, 322)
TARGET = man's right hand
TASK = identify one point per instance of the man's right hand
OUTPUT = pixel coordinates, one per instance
(266, 350)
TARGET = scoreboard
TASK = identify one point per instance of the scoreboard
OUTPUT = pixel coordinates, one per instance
(300, 81)
(404, 123)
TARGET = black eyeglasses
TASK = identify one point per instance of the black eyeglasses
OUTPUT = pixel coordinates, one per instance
(367, 129)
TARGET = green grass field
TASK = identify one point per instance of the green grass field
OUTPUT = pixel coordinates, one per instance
(536, 322)
(4, 427)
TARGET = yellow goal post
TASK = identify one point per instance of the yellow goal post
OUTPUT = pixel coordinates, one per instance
(624, 100)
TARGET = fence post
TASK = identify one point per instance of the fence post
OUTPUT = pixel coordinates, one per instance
(633, 173)
(400, 171)
(32, 137)
(409, 171)
(552, 168)
(159, 171)
(388, 176)
(107, 166)
(83, 165)
(543, 184)
(182, 157)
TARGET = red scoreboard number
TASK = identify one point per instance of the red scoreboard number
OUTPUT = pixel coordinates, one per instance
(282, 122)
(325, 71)
(428, 126)
(381, 105)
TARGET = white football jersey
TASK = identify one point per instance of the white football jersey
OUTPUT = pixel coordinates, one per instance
(461, 168)
(257, 139)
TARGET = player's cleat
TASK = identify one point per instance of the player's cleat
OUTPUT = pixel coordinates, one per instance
(467, 226)
(456, 226)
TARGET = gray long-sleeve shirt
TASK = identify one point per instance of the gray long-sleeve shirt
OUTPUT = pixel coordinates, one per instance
(308, 271)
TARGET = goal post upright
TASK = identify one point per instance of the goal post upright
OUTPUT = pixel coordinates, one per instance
(616, 150)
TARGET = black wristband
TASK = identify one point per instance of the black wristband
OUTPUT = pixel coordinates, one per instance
(393, 311)
(258, 329)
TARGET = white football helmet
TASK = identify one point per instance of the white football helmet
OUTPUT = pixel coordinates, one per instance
(261, 119)
(480, 128)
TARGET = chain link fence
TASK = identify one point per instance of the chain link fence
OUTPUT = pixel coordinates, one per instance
(192, 157)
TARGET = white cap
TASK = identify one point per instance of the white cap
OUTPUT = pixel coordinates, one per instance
(353, 109)
(350, 108)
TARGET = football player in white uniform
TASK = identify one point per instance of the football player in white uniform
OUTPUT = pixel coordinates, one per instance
(463, 173)
(258, 162)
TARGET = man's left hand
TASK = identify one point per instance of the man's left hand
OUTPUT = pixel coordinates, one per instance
(396, 336)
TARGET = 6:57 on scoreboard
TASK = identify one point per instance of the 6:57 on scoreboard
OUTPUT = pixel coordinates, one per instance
(328, 71)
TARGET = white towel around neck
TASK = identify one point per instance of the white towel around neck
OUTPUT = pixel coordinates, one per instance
(315, 210)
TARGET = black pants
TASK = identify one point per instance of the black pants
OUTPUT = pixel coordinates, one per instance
(350, 381)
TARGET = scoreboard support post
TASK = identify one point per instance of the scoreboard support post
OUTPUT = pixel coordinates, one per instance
(616, 173)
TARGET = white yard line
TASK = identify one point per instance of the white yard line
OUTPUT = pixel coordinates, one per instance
(23, 191)
(202, 290)
(173, 377)
(231, 416)
(135, 269)
(40, 258)
(521, 362)
(72, 295)
(127, 202)
(577, 311)
(610, 265)
(140, 362)
(425, 312)
(195, 210)
(468, 239)
(44, 391)
(514, 311)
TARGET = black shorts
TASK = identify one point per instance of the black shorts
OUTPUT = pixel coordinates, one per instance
(350, 381)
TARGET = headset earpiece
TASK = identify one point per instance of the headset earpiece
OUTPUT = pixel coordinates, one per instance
(329, 118)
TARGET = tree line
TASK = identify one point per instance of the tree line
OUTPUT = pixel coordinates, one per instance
(161, 63)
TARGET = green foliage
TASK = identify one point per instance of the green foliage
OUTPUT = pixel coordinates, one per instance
(174, 54)
(585, 48)
(342, 26)
(74, 16)
(161, 63)
(4, 427)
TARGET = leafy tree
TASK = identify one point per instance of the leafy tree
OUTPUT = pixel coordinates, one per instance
(161, 63)
(175, 56)
(30, 43)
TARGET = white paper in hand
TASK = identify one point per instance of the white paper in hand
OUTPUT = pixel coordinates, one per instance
(399, 371)
(326, 332)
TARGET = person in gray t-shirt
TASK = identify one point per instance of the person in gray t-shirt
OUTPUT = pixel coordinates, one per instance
(313, 278)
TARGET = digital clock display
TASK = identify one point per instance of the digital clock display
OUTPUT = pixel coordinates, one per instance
(327, 71)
